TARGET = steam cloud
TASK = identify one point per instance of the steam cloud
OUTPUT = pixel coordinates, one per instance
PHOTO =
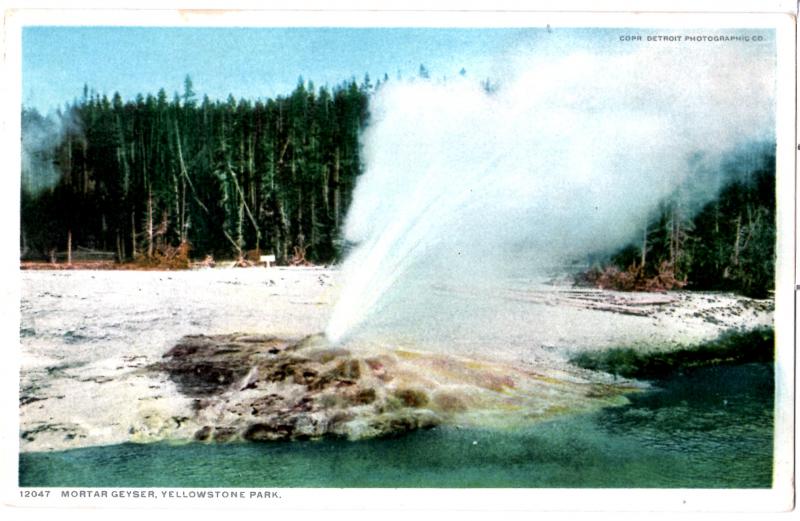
(41, 136)
(569, 156)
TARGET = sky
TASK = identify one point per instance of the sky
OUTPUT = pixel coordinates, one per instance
(259, 63)
(246, 62)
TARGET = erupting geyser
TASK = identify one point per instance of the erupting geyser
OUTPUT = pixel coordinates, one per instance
(567, 155)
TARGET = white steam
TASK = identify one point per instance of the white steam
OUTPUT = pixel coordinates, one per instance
(568, 156)
(41, 137)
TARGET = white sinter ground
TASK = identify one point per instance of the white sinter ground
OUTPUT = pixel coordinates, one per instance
(86, 335)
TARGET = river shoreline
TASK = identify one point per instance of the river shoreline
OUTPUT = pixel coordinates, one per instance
(92, 342)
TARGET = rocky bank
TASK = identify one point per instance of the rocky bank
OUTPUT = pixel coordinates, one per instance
(256, 388)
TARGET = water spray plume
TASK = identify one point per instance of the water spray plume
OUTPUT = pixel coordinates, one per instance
(568, 156)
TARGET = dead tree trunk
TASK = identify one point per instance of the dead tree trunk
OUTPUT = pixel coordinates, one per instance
(736, 241)
(149, 223)
(133, 234)
(243, 207)
(644, 247)
(336, 191)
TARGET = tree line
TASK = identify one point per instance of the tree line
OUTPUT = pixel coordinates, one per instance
(140, 179)
(145, 177)
(728, 244)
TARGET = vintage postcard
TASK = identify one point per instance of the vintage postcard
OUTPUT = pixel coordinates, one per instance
(268, 258)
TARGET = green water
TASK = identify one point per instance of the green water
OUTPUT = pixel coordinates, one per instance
(711, 428)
